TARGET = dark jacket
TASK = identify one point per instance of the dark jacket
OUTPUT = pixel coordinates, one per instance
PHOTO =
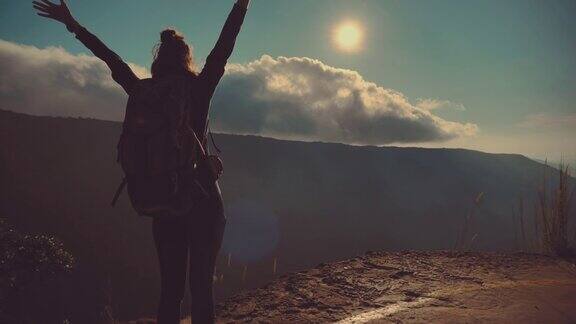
(206, 81)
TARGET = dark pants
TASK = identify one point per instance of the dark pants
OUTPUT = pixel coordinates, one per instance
(193, 242)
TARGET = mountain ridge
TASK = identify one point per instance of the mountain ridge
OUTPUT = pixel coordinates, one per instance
(4, 112)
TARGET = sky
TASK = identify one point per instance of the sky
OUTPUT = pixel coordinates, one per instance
(497, 76)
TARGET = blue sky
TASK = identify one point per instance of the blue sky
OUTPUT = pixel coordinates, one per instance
(509, 63)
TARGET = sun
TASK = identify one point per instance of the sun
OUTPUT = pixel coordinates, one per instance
(348, 36)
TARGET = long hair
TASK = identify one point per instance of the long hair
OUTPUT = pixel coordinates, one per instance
(172, 55)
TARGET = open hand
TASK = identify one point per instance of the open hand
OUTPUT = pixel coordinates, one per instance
(51, 10)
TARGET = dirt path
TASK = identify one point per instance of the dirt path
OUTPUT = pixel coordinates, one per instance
(536, 301)
(419, 287)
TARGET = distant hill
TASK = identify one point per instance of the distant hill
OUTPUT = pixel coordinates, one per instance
(294, 202)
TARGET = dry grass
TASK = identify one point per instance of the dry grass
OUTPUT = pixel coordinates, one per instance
(521, 238)
(466, 239)
(552, 212)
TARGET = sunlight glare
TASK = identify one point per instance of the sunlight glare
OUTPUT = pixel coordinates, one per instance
(348, 37)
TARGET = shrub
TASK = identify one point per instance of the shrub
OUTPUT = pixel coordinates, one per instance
(26, 259)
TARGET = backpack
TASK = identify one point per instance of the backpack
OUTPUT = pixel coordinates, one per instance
(165, 165)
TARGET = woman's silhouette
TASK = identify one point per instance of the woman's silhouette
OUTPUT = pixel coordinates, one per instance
(196, 238)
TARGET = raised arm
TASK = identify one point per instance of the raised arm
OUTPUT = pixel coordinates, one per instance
(244, 3)
(215, 62)
(121, 72)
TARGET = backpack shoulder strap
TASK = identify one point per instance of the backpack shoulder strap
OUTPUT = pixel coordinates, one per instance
(119, 191)
(209, 133)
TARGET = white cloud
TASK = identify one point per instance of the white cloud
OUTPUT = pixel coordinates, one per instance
(549, 121)
(305, 99)
(53, 82)
(291, 98)
(431, 104)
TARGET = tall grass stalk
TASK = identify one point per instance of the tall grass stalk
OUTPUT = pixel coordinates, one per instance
(518, 219)
(552, 210)
(463, 242)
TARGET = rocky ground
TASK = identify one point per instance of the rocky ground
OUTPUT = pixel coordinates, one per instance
(415, 287)
(421, 287)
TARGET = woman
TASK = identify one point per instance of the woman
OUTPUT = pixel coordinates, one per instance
(198, 237)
